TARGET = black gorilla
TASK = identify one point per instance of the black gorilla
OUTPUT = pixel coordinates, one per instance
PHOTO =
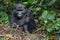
(22, 17)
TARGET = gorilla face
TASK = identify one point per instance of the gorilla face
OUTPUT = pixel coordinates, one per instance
(20, 11)
(20, 14)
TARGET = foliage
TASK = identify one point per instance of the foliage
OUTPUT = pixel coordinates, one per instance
(1, 38)
(4, 18)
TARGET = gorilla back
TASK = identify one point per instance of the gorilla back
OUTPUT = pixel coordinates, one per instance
(24, 18)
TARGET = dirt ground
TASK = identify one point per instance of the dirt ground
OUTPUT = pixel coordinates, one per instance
(10, 33)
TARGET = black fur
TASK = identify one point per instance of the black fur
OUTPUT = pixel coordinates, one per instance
(25, 19)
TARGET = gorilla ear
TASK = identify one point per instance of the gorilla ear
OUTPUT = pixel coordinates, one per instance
(25, 8)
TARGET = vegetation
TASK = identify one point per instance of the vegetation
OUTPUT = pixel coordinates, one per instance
(46, 13)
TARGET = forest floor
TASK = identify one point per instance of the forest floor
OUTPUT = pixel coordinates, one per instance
(9, 33)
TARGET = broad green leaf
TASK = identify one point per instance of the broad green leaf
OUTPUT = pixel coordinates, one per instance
(31, 1)
(49, 29)
(56, 27)
(25, 3)
(58, 21)
(58, 24)
(44, 14)
(51, 2)
(51, 16)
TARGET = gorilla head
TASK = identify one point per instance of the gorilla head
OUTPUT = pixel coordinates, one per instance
(20, 11)
(20, 7)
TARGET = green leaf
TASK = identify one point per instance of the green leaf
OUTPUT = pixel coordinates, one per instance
(58, 21)
(49, 29)
(38, 8)
(44, 14)
(51, 2)
(46, 21)
(31, 1)
(56, 27)
(51, 16)
(44, 6)
(25, 3)
(34, 2)
(1, 38)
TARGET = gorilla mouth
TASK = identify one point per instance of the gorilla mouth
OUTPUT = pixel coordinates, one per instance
(18, 18)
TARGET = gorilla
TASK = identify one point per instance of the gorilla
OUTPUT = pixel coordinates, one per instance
(24, 18)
